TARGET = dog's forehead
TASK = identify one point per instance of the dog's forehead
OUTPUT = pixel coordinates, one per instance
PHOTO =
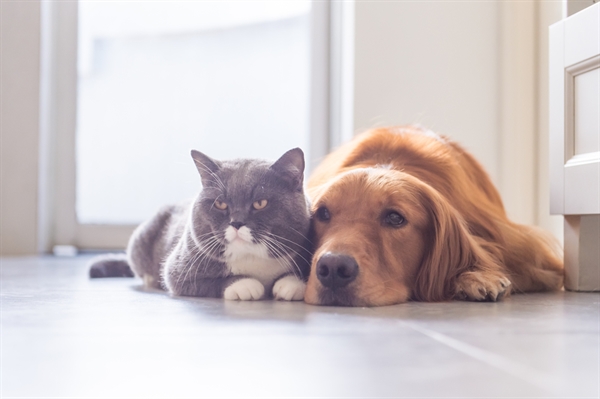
(369, 189)
(367, 184)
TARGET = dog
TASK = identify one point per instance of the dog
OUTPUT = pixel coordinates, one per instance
(405, 214)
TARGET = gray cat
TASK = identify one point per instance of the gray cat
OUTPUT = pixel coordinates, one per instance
(243, 238)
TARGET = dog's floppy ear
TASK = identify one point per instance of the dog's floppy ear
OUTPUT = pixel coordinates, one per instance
(450, 250)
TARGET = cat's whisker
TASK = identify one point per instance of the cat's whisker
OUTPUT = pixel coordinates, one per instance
(203, 250)
(185, 269)
(200, 249)
(290, 248)
(285, 239)
(210, 244)
(207, 252)
(212, 251)
(189, 264)
(178, 278)
(197, 258)
(279, 257)
(296, 265)
(202, 236)
(269, 243)
(210, 247)
(280, 250)
(199, 239)
(301, 235)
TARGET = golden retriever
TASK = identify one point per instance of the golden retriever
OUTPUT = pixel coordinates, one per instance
(405, 214)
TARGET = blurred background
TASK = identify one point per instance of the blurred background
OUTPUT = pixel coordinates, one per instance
(103, 100)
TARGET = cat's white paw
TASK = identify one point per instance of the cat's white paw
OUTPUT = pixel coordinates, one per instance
(245, 289)
(289, 288)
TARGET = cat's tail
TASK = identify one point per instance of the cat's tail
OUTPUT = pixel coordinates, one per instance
(111, 265)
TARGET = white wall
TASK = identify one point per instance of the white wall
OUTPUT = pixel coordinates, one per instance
(19, 37)
(517, 153)
(548, 13)
(472, 70)
(434, 63)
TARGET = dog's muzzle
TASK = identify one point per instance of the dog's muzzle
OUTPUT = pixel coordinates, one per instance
(336, 270)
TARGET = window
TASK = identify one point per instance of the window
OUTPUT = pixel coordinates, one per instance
(156, 79)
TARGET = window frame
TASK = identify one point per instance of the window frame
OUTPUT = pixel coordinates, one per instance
(330, 113)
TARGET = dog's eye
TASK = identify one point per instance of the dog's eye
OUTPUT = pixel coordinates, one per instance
(394, 219)
(323, 214)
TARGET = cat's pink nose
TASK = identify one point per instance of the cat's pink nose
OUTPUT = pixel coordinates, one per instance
(237, 225)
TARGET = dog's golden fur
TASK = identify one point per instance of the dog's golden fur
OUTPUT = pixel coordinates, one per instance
(455, 242)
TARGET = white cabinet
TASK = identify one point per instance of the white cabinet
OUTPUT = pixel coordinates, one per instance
(575, 143)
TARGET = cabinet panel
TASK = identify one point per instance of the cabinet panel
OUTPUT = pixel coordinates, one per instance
(586, 103)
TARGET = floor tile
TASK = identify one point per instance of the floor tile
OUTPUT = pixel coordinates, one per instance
(64, 335)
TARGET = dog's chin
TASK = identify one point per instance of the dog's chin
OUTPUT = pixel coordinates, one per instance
(333, 297)
(317, 294)
(323, 296)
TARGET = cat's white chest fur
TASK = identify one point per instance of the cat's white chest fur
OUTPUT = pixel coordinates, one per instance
(246, 258)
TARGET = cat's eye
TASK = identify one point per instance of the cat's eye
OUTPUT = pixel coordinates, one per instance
(394, 219)
(220, 205)
(258, 205)
(323, 214)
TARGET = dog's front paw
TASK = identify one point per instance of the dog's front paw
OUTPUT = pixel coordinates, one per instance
(482, 286)
(289, 288)
(245, 289)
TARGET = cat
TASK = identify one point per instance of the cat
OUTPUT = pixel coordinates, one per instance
(244, 237)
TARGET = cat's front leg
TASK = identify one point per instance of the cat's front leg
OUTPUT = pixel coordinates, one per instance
(184, 276)
(231, 288)
(289, 288)
(244, 289)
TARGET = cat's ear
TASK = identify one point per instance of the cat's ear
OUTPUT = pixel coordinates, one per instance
(291, 167)
(207, 167)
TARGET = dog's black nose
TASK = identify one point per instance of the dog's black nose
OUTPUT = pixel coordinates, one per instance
(336, 270)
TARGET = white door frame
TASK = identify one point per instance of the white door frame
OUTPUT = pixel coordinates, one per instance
(59, 105)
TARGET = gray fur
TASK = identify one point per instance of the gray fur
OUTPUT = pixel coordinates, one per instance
(182, 248)
(111, 265)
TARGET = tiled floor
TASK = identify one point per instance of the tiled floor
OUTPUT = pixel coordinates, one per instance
(64, 335)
